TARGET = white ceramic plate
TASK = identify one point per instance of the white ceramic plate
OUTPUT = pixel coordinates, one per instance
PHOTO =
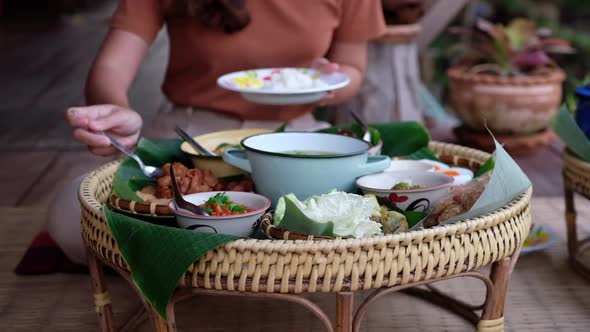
(550, 241)
(250, 84)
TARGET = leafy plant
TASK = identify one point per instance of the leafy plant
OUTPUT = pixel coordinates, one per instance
(520, 48)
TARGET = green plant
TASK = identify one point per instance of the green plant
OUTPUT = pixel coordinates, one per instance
(520, 48)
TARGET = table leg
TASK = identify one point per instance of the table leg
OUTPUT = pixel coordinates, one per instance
(494, 308)
(570, 218)
(344, 311)
(102, 298)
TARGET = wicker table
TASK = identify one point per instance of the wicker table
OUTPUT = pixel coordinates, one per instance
(283, 269)
(576, 177)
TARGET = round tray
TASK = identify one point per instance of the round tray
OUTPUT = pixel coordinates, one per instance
(151, 210)
(337, 265)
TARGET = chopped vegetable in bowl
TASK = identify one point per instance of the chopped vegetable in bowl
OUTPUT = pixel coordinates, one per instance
(406, 186)
(222, 205)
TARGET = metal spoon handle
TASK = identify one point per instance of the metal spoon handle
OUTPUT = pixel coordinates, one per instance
(180, 202)
(125, 150)
(192, 142)
(359, 121)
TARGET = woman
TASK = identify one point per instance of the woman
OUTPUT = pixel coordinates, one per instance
(209, 38)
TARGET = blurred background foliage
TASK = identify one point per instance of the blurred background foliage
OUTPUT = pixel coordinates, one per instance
(567, 19)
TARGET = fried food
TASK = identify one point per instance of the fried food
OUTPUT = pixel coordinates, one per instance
(459, 201)
(195, 180)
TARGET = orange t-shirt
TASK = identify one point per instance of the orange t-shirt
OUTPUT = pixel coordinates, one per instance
(282, 33)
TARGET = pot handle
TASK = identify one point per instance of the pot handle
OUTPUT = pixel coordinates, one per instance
(375, 164)
(237, 158)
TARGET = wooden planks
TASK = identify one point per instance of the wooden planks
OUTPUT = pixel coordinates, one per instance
(19, 173)
(65, 167)
(43, 69)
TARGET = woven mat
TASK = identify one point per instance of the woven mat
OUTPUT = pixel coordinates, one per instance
(544, 293)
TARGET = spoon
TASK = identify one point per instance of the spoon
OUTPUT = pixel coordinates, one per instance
(149, 171)
(181, 202)
(367, 134)
(198, 147)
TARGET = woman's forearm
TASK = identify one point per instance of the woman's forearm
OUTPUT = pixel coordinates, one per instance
(114, 68)
(104, 87)
(352, 58)
(349, 91)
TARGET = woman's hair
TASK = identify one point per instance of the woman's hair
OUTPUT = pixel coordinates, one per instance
(227, 15)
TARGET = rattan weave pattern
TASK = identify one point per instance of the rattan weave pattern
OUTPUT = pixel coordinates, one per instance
(576, 174)
(338, 265)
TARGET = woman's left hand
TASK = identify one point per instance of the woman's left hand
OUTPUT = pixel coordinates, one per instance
(324, 66)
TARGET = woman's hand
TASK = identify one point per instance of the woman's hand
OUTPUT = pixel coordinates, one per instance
(122, 123)
(324, 66)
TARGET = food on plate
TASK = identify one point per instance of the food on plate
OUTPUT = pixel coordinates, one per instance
(393, 221)
(222, 205)
(342, 214)
(460, 175)
(437, 164)
(352, 215)
(292, 79)
(195, 180)
(459, 201)
(536, 236)
(405, 186)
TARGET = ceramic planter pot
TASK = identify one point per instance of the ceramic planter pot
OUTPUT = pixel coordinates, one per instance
(507, 105)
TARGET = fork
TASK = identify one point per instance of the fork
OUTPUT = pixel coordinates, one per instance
(181, 202)
(364, 127)
(149, 171)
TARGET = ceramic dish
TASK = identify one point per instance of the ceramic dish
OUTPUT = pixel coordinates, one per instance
(540, 237)
(213, 140)
(304, 163)
(408, 165)
(460, 175)
(240, 225)
(434, 186)
(253, 85)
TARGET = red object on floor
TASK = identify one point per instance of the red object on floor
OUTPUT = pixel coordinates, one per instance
(44, 256)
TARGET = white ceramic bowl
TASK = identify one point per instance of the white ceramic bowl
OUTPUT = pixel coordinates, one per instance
(240, 225)
(247, 84)
(408, 165)
(434, 187)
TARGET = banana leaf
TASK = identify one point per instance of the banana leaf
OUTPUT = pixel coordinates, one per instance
(412, 217)
(507, 182)
(129, 178)
(424, 153)
(296, 221)
(399, 138)
(158, 255)
(570, 133)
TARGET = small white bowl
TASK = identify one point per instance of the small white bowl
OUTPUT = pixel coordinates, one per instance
(240, 225)
(434, 187)
(408, 165)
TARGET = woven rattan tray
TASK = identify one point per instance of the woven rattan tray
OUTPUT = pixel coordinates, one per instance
(336, 265)
(576, 174)
(151, 210)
